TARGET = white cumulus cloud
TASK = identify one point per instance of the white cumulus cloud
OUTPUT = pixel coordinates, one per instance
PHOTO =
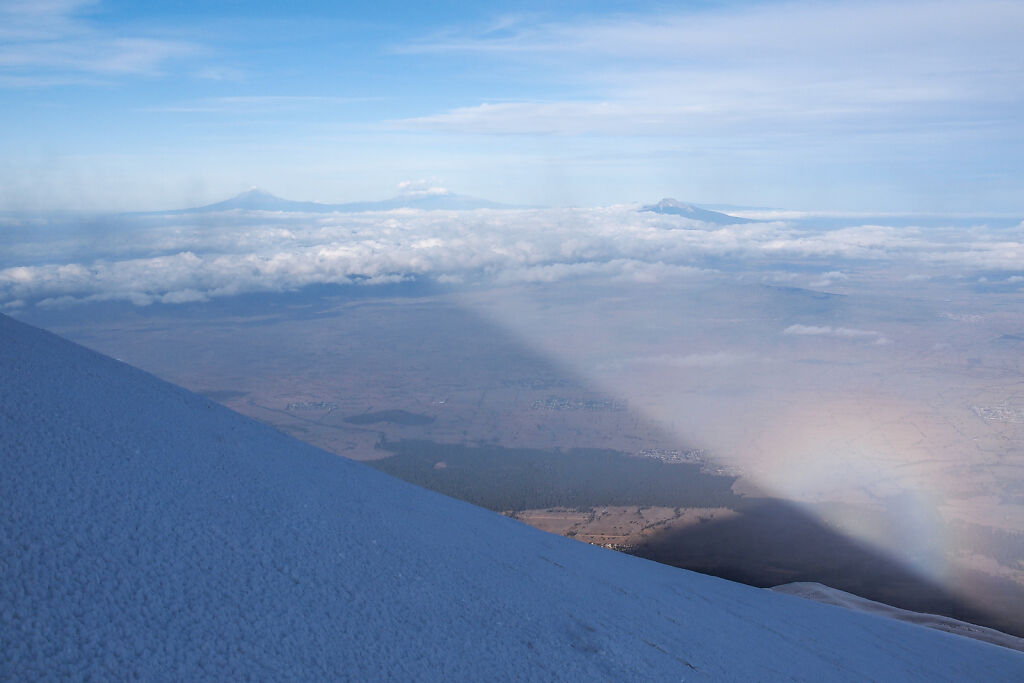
(173, 259)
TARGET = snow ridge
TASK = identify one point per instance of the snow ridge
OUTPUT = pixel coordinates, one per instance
(148, 532)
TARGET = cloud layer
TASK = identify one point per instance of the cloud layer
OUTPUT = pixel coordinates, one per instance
(175, 259)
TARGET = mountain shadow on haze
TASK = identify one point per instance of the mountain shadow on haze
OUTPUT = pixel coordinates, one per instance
(772, 542)
(516, 479)
(769, 542)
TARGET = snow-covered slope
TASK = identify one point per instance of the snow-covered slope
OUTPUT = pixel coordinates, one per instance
(147, 532)
(834, 596)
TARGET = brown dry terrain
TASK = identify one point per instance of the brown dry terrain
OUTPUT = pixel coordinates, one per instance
(618, 527)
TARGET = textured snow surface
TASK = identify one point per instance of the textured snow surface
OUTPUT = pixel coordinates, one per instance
(147, 532)
(834, 596)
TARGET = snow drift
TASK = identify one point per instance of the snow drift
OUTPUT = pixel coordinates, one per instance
(834, 596)
(147, 532)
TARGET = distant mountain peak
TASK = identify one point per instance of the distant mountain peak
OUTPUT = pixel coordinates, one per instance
(255, 191)
(671, 203)
(258, 199)
(674, 207)
(253, 199)
(254, 194)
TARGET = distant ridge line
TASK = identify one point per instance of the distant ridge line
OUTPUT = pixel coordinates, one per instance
(256, 199)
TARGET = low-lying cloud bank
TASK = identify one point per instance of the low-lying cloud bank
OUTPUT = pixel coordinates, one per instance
(175, 259)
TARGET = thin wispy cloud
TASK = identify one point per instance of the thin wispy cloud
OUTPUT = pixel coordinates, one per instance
(715, 360)
(55, 43)
(866, 65)
(258, 103)
(850, 333)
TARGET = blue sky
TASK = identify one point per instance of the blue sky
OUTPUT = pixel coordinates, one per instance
(914, 106)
